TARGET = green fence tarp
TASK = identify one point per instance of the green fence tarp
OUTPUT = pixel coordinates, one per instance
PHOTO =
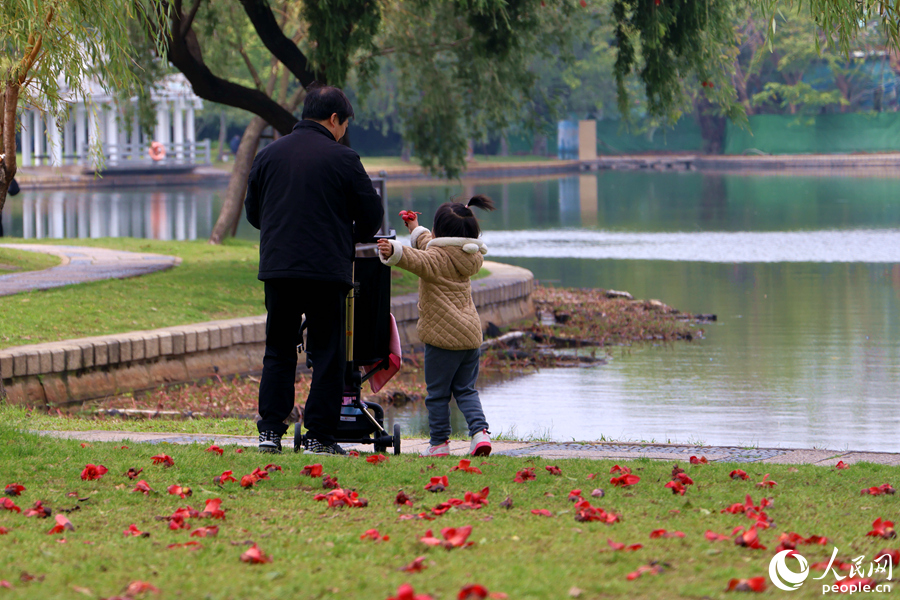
(614, 138)
(822, 134)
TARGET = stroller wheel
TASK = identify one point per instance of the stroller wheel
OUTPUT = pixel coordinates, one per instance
(396, 439)
(298, 438)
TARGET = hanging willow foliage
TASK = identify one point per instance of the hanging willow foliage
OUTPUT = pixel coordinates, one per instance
(337, 30)
(670, 41)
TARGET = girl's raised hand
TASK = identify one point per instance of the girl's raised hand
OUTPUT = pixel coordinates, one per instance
(385, 248)
(410, 219)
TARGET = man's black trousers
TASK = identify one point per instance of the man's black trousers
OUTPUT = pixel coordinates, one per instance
(287, 300)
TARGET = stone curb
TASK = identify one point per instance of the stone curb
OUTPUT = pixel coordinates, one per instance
(80, 369)
(547, 450)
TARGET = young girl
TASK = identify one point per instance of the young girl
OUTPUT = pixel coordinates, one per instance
(448, 325)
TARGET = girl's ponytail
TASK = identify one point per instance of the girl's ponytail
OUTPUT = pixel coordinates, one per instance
(481, 201)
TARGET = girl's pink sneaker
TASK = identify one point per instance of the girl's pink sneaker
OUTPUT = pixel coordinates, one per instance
(481, 444)
(439, 450)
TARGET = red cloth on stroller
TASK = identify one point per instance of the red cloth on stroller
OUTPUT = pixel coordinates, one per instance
(394, 359)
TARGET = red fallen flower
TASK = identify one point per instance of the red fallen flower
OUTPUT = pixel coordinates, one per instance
(248, 481)
(93, 472)
(224, 478)
(592, 476)
(134, 531)
(882, 529)
(163, 459)
(5, 584)
(454, 537)
(402, 499)
(62, 524)
(753, 584)
(14, 489)
(330, 483)
(676, 486)
(554, 470)
(208, 531)
(749, 539)
(421, 515)
(177, 522)
(312, 470)
(625, 480)
(621, 470)
(416, 566)
(260, 474)
(586, 512)
(475, 500)
(193, 545)
(3, 530)
(652, 569)
(618, 546)
(658, 533)
(136, 588)
(406, 592)
(765, 482)
(375, 459)
(684, 478)
(739, 474)
(542, 512)
(9, 505)
(123, 447)
(597, 493)
(372, 534)
(715, 537)
(271, 468)
(255, 556)
(441, 508)
(338, 498)
(38, 510)
(464, 465)
(216, 449)
(475, 591)
(133, 473)
(524, 475)
(699, 461)
(507, 504)
(841, 465)
(238, 450)
(353, 453)
(212, 509)
(143, 487)
(438, 484)
(574, 496)
(878, 491)
(177, 490)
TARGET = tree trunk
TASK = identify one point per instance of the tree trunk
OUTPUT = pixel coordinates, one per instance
(8, 166)
(504, 145)
(712, 127)
(406, 152)
(223, 133)
(237, 185)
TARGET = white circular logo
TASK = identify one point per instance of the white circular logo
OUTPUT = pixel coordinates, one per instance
(782, 577)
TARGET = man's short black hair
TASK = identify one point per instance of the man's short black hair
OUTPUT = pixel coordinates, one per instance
(325, 100)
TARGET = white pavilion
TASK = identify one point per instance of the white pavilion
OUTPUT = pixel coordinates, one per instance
(99, 120)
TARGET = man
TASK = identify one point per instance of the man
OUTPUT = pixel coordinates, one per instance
(312, 201)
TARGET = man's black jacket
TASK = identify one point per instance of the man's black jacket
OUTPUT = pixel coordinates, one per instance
(304, 192)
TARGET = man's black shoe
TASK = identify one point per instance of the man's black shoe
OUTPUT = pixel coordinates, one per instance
(317, 447)
(269, 441)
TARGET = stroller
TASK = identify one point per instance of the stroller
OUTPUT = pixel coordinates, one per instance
(368, 319)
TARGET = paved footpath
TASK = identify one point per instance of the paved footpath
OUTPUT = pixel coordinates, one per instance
(548, 450)
(81, 264)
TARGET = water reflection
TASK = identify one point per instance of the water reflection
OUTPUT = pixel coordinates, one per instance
(174, 214)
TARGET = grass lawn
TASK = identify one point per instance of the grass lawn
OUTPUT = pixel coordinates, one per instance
(18, 261)
(212, 282)
(317, 551)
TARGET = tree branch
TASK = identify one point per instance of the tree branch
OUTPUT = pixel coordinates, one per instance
(251, 68)
(186, 24)
(185, 54)
(260, 14)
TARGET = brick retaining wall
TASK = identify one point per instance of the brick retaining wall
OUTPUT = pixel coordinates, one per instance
(95, 367)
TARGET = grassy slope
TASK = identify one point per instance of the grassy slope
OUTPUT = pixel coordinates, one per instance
(19, 261)
(318, 552)
(213, 282)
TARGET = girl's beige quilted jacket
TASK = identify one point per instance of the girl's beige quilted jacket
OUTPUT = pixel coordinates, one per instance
(447, 315)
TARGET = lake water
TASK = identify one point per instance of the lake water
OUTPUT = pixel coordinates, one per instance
(803, 273)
